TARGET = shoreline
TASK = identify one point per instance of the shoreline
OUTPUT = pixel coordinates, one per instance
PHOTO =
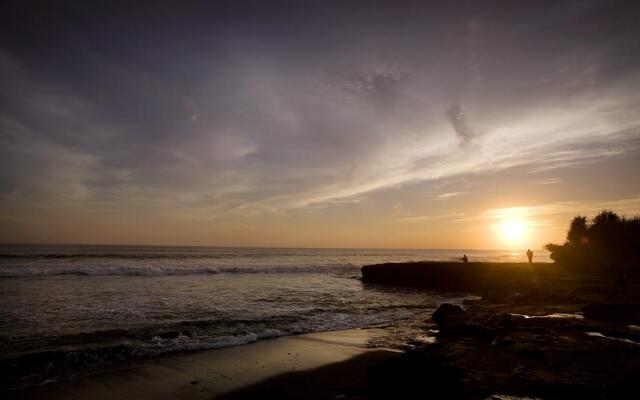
(213, 373)
(537, 331)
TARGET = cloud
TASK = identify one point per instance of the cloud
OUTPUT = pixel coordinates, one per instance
(274, 121)
(460, 125)
(548, 181)
(444, 196)
(381, 83)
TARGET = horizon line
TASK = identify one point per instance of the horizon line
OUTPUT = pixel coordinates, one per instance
(255, 247)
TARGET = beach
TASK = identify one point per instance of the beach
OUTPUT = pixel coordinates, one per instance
(441, 328)
(344, 200)
(332, 362)
(69, 311)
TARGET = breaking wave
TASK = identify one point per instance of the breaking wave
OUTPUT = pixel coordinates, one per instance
(87, 270)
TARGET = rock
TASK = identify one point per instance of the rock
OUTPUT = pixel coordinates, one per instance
(505, 321)
(495, 296)
(447, 314)
(528, 350)
(542, 339)
(614, 312)
(502, 341)
(451, 322)
(474, 277)
(517, 344)
(416, 375)
(472, 331)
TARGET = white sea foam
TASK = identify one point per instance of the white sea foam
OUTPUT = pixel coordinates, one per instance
(185, 343)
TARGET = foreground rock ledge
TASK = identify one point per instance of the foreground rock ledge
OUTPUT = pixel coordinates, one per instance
(538, 332)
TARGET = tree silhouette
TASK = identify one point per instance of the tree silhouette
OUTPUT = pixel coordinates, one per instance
(578, 231)
(607, 242)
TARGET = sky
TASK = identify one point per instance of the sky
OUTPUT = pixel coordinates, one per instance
(399, 124)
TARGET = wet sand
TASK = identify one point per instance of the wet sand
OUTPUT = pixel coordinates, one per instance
(317, 365)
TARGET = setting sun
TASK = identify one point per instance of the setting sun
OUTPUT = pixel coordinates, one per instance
(513, 232)
(513, 226)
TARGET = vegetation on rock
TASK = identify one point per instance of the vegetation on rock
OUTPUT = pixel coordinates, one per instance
(607, 242)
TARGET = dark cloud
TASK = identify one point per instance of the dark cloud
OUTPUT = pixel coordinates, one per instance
(460, 125)
(381, 84)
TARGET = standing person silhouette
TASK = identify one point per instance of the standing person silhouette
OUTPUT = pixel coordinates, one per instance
(530, 255)
(465, 259)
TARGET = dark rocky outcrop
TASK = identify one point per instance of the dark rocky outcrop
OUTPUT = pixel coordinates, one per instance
(614, 312)
(546, 357)
(473, 277)
(447, 314)
(451, 323)
(535, 333)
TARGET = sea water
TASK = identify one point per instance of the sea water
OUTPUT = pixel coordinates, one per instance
(68, 310)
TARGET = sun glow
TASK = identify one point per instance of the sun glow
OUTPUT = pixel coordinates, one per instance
(512, 226)
(513, 231)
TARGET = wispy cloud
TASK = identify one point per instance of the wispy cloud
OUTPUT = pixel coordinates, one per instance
(410, 219)
(547, 181)
(444, 196)
(460, 124)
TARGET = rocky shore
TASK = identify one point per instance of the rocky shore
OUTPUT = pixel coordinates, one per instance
(537, 332)
(473, 277)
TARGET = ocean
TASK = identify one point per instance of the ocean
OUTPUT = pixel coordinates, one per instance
(70, 310)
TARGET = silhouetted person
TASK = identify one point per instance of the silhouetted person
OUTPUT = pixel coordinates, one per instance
(530, 255)
(465, 259)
